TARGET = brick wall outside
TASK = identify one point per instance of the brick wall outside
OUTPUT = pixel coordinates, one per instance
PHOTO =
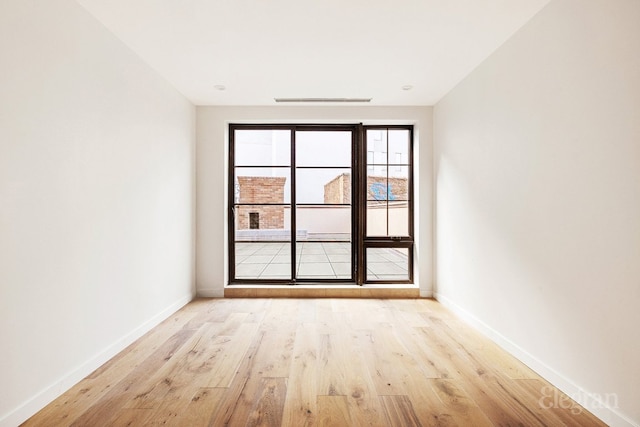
(261, 189)
(338, 190)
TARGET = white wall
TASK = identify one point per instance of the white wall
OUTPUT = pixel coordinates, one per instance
(212, 162)
(538, 199)
(96, 200)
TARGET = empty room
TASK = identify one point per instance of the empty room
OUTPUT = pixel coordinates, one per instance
(287, 213)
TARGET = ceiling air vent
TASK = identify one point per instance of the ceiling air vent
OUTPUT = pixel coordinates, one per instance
(322, 99)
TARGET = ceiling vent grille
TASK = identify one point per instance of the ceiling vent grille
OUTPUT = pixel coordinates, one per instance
(322, 100)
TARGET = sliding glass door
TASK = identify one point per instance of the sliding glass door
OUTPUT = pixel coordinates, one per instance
(292, 178)
(261, 208)
(323, 206)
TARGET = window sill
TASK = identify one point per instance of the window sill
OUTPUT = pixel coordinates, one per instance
(322, 291)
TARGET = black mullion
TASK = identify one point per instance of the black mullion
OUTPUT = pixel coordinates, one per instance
(354, 201)
(387, 168)
(396, 200)
(261, 204)
(294, 231)
(410, 196)
(328, 204)
(360, 196)
(262, 166)
(231, 217)
(323, 167)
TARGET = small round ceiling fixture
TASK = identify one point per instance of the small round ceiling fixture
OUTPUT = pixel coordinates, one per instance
(219, 87)
(407, 87)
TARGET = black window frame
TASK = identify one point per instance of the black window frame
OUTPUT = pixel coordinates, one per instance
(401, 242)
(360, 241)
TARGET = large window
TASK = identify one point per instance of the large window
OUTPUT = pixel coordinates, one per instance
(320, 204)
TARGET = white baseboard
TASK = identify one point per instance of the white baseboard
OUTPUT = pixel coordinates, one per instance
(210, 293)
(48, 394)
(426, 293)
(593, 403)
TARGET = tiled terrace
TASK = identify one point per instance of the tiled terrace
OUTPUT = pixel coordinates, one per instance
(317, 260)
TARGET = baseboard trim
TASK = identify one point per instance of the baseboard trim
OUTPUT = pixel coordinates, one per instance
(210, 293)
(426, 294)
(50, 393)
(591, 402)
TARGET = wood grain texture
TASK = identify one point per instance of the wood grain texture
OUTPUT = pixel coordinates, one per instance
(313, 362)
(349, 291)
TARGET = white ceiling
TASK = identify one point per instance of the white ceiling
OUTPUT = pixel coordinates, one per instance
(265, 49)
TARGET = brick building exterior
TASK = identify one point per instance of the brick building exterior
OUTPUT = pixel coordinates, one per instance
(338, 190)
(270, 190)
(260, 189)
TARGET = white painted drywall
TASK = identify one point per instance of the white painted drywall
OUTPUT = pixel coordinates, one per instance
(96, 200)
(212, 170)
(537, 157)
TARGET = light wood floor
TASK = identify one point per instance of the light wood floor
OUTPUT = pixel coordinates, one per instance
(304, 362)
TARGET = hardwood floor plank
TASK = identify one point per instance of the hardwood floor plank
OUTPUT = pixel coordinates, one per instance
(170, 377)
(332, 365)
(127, 387)
(214, 313)
(333, 411)
(276, 352)
(399, 411)
(422, 350)
(362, 398)
(201, 407)
(237, 399)
(439, 355)
(386, 379)
(462, 409)
(391, 366)
(161, 341)
(269, 404)
(306, 362)
(427, 405)
(300, 407)
(280, 312)
(232, 351)
(484, 350)
(307, 312)
(548, 398)
(130, 417)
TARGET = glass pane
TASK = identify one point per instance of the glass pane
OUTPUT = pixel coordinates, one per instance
(377, 146)
(387, 264)
(377, 170)
(327, 223)
(398, 218)
(395, 187)
(377, 187)
(317, 148)
(323, 185)
(262, 185)
(399, 146)
(262, 147)
(260, 260)
(376, 218)
(398, 182)
(262, 223)
(323, 260)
